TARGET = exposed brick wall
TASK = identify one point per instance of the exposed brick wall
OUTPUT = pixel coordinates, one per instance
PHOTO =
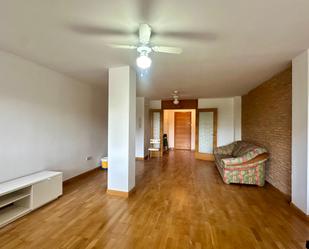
(267, 121)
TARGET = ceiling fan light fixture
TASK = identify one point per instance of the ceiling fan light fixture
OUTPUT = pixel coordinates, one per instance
(143, 61)
(176, 102)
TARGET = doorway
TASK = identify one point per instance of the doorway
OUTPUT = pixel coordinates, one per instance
(182, 137)
(169, 126)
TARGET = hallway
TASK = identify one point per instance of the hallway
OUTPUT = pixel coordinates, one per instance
(179, 202)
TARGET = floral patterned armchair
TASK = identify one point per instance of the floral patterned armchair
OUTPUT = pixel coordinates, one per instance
(241, 162)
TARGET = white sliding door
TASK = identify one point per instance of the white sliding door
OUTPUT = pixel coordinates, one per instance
(206, 133)
(156, 142)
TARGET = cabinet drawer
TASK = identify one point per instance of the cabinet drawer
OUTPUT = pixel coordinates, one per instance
(46, 191)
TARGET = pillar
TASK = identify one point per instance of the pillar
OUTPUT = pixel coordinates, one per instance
(121, 130)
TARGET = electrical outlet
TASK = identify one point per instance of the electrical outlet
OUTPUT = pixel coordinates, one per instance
(88, 158)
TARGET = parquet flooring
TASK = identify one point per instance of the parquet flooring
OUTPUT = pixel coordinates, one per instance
(179, 202)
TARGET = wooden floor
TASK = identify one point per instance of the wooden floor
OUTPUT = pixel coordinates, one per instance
(179, 202)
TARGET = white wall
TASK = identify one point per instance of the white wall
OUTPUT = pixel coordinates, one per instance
(169, 126)
(147, 127)
(121, 128)
(237, 118)
(155, 104)
(229, 118)
(300, 114)
(225, 117)
(142, 135)
(140, 127)
(48, 121)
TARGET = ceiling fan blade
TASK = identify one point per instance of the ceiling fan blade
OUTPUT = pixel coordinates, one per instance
(122, 46)
(99, 30)
(144, 33)
(199, 36)
(168, 50)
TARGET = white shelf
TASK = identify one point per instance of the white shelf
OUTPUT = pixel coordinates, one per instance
(12, 197)
(11, 213)
(25, 181)
(22, 195)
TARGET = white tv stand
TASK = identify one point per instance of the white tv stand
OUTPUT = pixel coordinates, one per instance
(22, 195)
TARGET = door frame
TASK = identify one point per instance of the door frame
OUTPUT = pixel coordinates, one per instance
(206, 156)
(190, 130)
(151, 111)
(191, 104)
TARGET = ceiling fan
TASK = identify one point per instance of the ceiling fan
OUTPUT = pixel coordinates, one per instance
(145, 47)
(175, 97)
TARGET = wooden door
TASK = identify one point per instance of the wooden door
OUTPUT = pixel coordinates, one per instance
(206, 133)
(182, 137)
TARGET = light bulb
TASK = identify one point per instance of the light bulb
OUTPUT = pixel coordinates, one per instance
(143, 61)
(176, 101)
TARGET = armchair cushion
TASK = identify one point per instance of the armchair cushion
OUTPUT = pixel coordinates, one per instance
(239, 146)
(225, 150)
(245, 154)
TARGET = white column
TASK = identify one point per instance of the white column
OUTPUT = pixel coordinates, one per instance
(300, 114)
(121, 130)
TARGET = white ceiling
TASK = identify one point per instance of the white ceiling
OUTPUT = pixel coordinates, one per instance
(231, 46)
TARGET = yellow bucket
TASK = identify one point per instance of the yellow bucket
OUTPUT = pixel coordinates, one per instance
(104, 163)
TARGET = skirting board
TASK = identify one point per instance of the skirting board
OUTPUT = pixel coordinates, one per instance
(141, 158)
(120, 193)
(299, 212)
(80, 176)
(204, 156)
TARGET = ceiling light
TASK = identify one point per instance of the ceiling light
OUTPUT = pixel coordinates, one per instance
(143, 61)
(176, 101)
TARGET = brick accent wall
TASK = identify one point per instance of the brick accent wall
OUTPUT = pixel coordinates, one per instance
(267, 121)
